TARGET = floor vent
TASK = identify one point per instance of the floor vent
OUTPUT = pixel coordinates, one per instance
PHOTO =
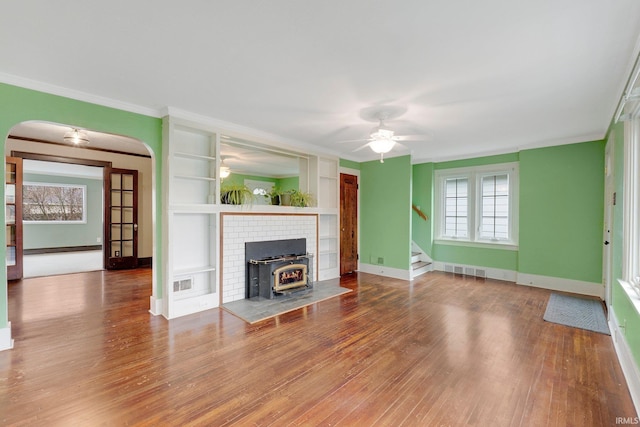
(182, 285)
(466, 271)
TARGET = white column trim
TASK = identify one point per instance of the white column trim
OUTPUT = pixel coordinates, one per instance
(6, 342)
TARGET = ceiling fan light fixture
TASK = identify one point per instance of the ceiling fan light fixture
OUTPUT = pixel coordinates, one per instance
(379, 133)
(76, 137)
(382, 146)
(225, 171)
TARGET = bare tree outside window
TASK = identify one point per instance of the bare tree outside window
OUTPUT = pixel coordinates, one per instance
(53, 202)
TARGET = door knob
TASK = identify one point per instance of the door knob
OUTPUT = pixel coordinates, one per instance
(606, 242)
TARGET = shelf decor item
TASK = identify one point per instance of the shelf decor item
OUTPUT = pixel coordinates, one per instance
(285, 198)
(274, 196)
(301, 199)
(235, 194)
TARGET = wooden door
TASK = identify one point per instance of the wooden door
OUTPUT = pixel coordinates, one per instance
(348, 223)
(121, 221)
(13, 216)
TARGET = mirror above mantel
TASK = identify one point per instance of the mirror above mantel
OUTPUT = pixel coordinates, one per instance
(250, 161)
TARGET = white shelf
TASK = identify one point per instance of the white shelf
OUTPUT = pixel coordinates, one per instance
(193, 156)
(328, 244)
(194, 177)
(194, 270)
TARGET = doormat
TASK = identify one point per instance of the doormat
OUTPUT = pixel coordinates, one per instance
(258, 308)
(577, 312)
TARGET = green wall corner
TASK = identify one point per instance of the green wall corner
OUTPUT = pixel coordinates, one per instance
(385, 218)
(562, 211)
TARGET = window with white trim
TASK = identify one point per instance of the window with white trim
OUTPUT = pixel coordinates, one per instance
(631, 205)
(477, 204)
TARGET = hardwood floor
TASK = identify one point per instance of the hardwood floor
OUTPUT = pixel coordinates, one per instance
(442, 350)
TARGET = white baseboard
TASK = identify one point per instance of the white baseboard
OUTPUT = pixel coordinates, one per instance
(6, 343)
(192, 305)
(155, 305)
(562, 285)
(625, 357)
(490, 273)
(382, 270)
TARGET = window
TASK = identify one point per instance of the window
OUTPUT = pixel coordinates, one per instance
(59, 203)
(631, 205)
(478, 204)
(456, 207)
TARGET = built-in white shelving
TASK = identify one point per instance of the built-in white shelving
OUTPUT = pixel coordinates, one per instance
(192, 238)
(328, 219)
(194, 269)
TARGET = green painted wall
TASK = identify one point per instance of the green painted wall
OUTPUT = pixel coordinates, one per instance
(561, 193)
(477, 256)
(385, 218)
(344, 163)
(44, 235)
(238, 178)
(18, 105)
(561, 211)
(289, 183)
(292, 183)
(421, 230)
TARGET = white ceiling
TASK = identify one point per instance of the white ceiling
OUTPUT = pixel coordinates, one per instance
(476, 77)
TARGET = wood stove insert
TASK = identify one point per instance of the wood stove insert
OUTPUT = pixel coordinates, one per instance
(277, 268)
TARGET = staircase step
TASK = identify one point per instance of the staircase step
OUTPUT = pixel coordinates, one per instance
(419, 264)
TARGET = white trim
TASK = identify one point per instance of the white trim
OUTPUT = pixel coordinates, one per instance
(474, 176)
(626, 359)
(477, 244)
(155, 305)
(381, 270)
(560, 284)
(631, 202)
(83, 187)
(6, 343)
(77, 95)
(576, 139)
(633, 296)
(491, 273)
(234, 129)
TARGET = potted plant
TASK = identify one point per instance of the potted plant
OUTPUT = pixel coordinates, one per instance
(301, 199)
(235, 194)
(274, 195)
(285, 197)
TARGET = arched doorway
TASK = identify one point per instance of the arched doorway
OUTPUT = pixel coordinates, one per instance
(44, 142)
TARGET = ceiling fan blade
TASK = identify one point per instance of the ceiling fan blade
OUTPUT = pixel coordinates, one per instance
(361, 147)
(411, 137)
(352, 140)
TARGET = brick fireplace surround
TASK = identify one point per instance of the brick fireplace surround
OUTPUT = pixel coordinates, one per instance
(238, 228)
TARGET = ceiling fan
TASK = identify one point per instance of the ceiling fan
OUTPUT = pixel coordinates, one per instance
(382, 138)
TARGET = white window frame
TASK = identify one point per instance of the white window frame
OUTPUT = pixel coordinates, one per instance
(474, 175)
(81, 187)
(631, 205)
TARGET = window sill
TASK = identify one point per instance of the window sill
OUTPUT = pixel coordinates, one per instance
(487, 245)
(631, 294)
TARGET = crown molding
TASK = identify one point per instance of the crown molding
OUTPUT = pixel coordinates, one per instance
(77, 95)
